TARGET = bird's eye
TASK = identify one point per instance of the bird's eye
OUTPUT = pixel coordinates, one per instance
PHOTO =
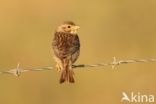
(69, 26)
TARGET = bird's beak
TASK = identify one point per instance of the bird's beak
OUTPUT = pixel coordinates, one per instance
(76, 27)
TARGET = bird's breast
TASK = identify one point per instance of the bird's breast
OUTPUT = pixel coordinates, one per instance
(64, 39)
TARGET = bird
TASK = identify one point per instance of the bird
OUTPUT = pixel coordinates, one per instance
(66, 49)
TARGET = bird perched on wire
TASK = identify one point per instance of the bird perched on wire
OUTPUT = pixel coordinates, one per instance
(66, 47)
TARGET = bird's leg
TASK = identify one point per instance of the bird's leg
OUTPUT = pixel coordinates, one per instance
(59, 67)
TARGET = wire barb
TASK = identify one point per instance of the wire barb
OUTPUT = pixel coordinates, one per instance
(18, 71)
(115, 63)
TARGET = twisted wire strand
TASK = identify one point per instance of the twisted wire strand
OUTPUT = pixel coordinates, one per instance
(18, 70)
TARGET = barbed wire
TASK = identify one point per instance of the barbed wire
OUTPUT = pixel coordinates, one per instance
(18, 70)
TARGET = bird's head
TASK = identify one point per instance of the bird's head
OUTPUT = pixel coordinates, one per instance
(68, 27)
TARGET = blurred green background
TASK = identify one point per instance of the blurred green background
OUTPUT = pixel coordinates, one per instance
(122, 28)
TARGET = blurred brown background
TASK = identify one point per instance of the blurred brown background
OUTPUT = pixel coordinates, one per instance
(122, 28)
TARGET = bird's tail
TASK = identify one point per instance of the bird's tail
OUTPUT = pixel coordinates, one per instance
(67, 74)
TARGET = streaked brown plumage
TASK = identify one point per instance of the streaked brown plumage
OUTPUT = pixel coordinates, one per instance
(66, 48)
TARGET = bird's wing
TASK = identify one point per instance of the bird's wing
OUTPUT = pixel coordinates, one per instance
(75, 45)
